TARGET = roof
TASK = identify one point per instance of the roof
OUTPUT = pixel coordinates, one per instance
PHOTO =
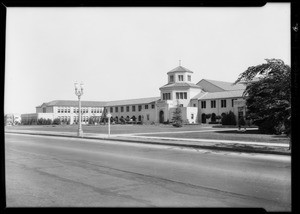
(132, 101)
(74, 103)
(219, 95)
(180, 69)
(226, 86)
(200, 95)
(180, 84)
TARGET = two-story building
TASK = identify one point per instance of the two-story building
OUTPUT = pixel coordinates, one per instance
(67, 110)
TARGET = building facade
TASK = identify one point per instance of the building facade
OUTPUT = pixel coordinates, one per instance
(67, 111)
(207, 97)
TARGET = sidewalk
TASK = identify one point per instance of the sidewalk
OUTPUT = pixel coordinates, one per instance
(211, 144)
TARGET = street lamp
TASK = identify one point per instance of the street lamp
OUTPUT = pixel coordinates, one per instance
(109, 116)
(79, 93)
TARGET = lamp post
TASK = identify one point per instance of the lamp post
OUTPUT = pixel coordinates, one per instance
(79, 93)
(109, 116)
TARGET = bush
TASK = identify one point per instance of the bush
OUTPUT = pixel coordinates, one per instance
(177, 124)
(43, 121)
(228, 119)
(208, 116)
(166, 122)
(56, 121)
(122, 120)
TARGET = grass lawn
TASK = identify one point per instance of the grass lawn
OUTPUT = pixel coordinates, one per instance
(115, 129)
(249, 135)
(150, 130)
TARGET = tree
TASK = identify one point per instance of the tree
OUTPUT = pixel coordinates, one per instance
(177, 118)
(268, 99)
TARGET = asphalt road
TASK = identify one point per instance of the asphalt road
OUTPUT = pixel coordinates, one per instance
(67, 172)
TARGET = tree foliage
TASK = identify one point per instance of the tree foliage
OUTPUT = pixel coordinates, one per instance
(268, 99)
(177, 117)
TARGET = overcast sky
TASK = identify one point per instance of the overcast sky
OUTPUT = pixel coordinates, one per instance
(125, 53)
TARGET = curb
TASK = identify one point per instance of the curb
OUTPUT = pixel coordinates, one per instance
(220, 148)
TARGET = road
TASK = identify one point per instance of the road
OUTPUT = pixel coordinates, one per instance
(50, 171)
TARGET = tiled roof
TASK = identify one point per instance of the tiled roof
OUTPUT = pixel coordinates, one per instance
(227, 86)
(74, 103)
(132, 101)
(180, 69)
(221, 95)
(183, 84)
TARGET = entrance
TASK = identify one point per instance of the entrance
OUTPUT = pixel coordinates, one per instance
(161, 117)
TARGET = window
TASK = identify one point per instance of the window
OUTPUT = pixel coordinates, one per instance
(98, 110)
(122, 108)
(192, 116)
(194, 104)
(203, 104)
(180, 77)
(223, 103)
(133, 108)
(180, 105)
(44, 110)
(213, 104)
(68, 109)
(116, 109)
(127, 108)
(181, 95)
(189, 78)
(74, 110)
(152, 106)
(140, 107)
(111, 109)
(148, 117)
(166, 96)
(171, 78)
(146, 106)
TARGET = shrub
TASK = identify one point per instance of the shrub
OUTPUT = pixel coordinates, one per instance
(56, 121)
(177, 124)
(208, 116)
(166, 122)
(228, 119)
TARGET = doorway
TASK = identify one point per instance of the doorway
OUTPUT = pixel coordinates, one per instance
(161, 116)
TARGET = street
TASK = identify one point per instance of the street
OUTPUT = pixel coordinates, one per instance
(52, 171)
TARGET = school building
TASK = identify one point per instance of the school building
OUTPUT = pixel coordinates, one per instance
(195, 100)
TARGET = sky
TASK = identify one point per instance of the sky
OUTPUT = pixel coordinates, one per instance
(125, 53)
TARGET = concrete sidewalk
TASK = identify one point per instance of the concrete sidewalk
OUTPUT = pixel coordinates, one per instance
(211, 144)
